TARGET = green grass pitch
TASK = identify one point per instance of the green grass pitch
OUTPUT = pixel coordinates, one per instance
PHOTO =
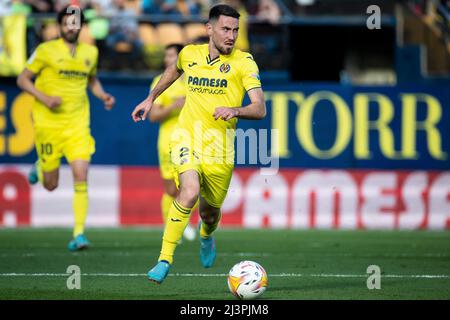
(300, 264)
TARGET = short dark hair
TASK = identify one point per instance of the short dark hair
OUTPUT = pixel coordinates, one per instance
(178, 47)
(70, 11)
(222, 10)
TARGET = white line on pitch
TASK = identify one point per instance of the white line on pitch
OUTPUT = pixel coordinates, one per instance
(239, 254)
(294, 275)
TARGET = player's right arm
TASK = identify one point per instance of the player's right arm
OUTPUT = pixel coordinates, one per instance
(34, 66)
(25, 82)
(170, 75)
(159, 113)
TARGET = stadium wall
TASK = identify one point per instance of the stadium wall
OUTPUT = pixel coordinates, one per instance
(349, 158)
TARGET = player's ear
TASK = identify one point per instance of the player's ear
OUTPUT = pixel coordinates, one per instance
(209, 27)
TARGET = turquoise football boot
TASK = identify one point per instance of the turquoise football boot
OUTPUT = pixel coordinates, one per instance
(207, 251)
(78, 243)
(159, 272)
(33, 177)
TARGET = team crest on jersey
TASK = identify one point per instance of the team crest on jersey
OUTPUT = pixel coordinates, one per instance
(225, 68)
(87, 63)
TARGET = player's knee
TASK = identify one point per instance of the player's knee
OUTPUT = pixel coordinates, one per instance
(209, 220)
(79, 170)
(210, 217)
(189, 196)
(80, 176)
(50, 185)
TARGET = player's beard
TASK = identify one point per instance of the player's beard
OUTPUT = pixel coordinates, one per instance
(71, 37)
(223, 50)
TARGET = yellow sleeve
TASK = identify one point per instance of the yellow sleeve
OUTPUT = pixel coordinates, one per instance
(154, 82)
(36, 62)
(250, 74)
(183, 91)
(180, 89)
(94, 67)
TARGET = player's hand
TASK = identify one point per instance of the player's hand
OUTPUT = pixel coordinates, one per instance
(109, 101)
(52, 102)
(140, 112)
(225, 113)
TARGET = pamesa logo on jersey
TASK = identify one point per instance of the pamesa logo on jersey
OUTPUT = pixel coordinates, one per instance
(207, 82)
(225, 68)
(72, 74)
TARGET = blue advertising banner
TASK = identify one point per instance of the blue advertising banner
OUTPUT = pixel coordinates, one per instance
(316, 126)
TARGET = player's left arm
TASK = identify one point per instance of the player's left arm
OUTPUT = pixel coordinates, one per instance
(97, 89)
(256, 110)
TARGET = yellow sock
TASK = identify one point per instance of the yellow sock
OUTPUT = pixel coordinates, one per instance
(207, 230)
(166, 202)
(40, 174)
(80, 207)
(195, 205)
(177, 221)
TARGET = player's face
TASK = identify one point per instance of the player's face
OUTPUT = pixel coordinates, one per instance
(170, 57)
(223, 33)
(69, 30)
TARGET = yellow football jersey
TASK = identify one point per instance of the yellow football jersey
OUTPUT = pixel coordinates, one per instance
(221, 82)
(58, 73)
(167, 98)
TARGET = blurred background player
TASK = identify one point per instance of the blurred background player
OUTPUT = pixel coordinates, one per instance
(204, 167)
(165, 111)
(63, 69)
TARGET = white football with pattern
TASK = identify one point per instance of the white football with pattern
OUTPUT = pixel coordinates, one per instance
(247, 280)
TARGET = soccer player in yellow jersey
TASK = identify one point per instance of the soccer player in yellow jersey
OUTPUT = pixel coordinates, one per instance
(202, 147)
(165, 111)
(63, 68)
